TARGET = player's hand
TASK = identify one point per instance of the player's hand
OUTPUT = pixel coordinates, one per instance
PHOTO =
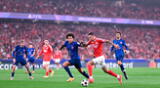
(126, 51)
(14, 60)
(116, 46)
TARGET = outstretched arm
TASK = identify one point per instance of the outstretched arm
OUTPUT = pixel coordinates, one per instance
(62, 47)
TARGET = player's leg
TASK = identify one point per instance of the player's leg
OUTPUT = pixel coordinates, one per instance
(119, 62)
(110, 72)
(90, 66)
(13, 70)
(33, 64)
(23, 63)
(46, 68)
(65, 65)
(79, 68)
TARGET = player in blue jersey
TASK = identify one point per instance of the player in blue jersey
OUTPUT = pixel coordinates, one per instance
(120, 52)
(72, 47)
(30, 56)
(19, 55)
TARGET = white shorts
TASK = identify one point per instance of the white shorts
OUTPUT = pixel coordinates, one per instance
(46, 63)
(99, 60)
(57, 60)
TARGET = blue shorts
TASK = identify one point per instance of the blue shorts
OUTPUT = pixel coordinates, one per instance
(120, 57)
(21, 61)
(76, 63)
(31, 60)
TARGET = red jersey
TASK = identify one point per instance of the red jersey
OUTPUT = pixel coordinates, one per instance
(97, 45)
(47, 52)
(58, 54)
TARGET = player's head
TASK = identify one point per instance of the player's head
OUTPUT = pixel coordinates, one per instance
(30, 45)
(46, 42)
(70, 37)
(22, 43)
(118, 35)
(91, 36)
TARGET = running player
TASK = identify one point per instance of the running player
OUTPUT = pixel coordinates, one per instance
(120, 52)
(19, 55)
(72, 47)
(47, 53)
(30, 56)
(99, 58)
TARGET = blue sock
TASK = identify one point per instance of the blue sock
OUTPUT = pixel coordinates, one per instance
(85, 74)
(68, 71)
(29, 74)
(12, 74)
(122, 67)
(33, 67)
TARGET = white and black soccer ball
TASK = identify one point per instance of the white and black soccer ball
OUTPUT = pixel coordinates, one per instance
(84, 83)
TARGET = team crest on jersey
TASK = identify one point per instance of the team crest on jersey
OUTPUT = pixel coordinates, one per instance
(120, 42)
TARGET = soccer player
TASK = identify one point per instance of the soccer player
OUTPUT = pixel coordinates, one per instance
(57, 57)
(47, 53)
(120, 52)
(99, 58)
(72, 47)
(30, 56)
(19, 54)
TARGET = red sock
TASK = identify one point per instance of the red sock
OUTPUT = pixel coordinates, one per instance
(111, 73)
(50, 70)
(47, 73)
(90, 68)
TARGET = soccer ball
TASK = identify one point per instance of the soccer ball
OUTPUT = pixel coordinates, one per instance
(84, 83)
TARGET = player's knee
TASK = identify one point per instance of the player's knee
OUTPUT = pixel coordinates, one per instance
(119, 63)
(64, 65)
(13, 67)
(89, 63)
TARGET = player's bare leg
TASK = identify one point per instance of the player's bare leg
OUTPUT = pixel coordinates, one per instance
(65, 65)
(122, 69)
(33, 68)
(110, 72)
(90, 65)
(28, 71)
(13, 72)
(46, 67)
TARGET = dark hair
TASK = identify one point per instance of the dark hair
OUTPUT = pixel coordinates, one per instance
(118, 33)
(90, 33)
(70, 34)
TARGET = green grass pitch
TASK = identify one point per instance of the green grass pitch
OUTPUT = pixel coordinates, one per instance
(138, 78)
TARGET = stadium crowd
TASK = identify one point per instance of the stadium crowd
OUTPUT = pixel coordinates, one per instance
(97, 8)
(143, 42)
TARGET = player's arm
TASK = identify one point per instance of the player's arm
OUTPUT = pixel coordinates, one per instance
(14, 54)
(39, 54)
(109, 42)
(25, 53)
(63, 46)
(112, 48)
(126, 47)
(52, 51)
(34, 52)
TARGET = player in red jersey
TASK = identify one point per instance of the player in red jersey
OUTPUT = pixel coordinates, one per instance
(47, 53)
(57, 57)
(99, 58)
